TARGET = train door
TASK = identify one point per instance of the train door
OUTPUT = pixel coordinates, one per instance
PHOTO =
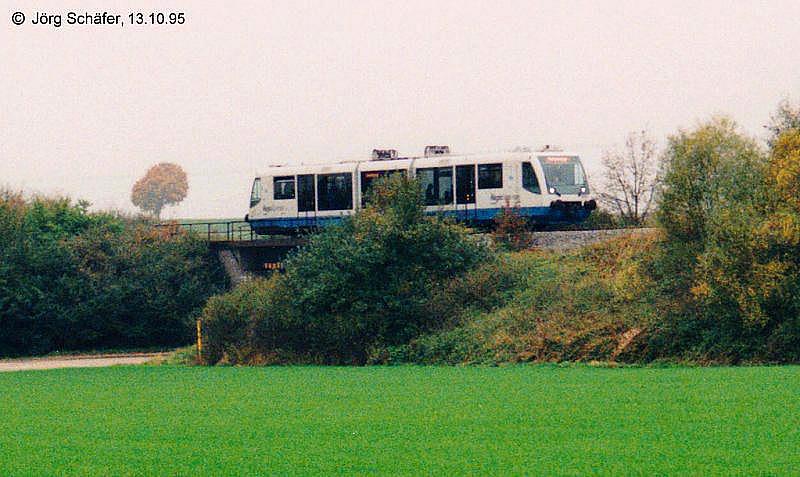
(465, 192)
(306, 196)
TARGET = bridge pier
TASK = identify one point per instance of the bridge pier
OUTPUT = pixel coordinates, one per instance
(231, 264)
(245, 259)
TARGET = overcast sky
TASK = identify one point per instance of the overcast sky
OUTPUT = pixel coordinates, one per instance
(86, 110)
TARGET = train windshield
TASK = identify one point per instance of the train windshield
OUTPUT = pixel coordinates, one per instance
(255, 193)
(564, 173)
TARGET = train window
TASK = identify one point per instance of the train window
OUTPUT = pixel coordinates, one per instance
(437, 182)
(368, 178)
(529, 180)
(490, 176)
(255, 193)
(283, 187)
(335, 191)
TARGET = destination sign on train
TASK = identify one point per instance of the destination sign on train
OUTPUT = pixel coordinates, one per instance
(557, 159)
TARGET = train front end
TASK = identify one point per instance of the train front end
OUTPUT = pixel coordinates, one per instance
(566, 189)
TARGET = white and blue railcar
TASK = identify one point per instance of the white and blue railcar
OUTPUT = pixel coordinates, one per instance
(547, 186)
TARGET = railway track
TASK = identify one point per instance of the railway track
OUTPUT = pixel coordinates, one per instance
(239, 233)
(571, 239)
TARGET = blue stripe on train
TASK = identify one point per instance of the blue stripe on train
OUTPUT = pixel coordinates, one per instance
(542, 215)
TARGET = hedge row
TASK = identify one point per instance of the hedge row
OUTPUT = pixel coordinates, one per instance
(75, 280)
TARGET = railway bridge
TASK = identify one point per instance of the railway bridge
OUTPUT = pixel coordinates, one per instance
(241, 251)
(244, 253)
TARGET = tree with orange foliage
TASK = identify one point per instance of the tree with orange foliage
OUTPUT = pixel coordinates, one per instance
(164, 184)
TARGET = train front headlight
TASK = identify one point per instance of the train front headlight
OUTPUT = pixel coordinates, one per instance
(584, 190)
(552, 190)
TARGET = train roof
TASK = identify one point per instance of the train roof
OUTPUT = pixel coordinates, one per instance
(402, 162)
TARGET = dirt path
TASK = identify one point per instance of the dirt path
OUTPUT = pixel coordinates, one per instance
(80, 361)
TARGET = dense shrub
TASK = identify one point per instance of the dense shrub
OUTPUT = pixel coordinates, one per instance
(243, 324)
(727, 261)
(579, 306)
(364, 284)
(72, 280)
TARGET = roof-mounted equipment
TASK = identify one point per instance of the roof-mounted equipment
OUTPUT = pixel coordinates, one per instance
(384, 154)
(436, 150)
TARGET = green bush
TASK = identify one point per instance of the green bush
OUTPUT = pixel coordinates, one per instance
(361, 285)
(227, 323)
(74, 280)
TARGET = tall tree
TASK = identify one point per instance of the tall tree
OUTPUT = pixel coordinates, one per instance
(164, 184)
(631, 178)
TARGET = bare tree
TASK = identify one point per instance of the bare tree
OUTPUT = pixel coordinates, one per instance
(631, 178)
(785, 118)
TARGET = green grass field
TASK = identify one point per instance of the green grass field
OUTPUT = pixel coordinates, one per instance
(152, 420)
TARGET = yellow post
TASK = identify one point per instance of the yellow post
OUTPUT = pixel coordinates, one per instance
(199, 341)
